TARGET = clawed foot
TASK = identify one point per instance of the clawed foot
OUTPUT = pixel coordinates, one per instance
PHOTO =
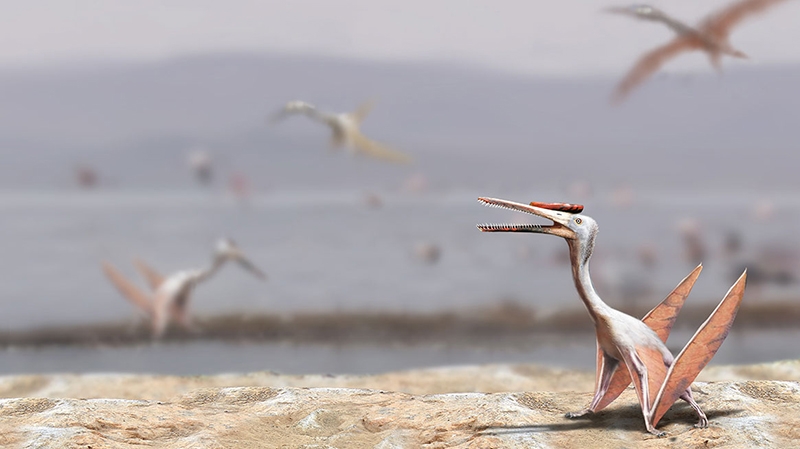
(573, 415)
(702, 424)
(656, 432)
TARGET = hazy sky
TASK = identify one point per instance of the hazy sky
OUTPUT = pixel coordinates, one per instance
(548, 37)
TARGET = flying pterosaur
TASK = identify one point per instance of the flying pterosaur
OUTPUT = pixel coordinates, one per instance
(346, 130)
(629, 348)
(169, 299)
(710, 36)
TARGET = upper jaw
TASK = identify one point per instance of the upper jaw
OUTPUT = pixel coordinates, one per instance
(251, 267)
(237, 255)
(626, 11)
(639, 11)
(228, 250)
(560, 219)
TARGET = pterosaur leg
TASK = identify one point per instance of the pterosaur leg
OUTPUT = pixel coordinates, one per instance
(162, 309)
(638, 372)
(660, 319)
(687, 396)
(181, 316)
(606, 366)
(154, 278)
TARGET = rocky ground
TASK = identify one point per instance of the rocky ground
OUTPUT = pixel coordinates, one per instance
(469, 407)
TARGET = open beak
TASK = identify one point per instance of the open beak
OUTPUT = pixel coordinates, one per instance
(559, 213)
(239, 257)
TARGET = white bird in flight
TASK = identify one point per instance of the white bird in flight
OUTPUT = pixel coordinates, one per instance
(346, 130)
(710, 36)
(170, 295)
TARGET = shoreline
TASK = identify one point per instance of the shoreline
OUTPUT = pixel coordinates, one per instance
(507, 324)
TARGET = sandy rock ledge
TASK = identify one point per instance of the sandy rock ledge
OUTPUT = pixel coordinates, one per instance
(518, 406)
(742, 414)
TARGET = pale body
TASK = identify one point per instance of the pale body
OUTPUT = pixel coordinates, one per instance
(625, 343)
(345, 129)
(171, 298)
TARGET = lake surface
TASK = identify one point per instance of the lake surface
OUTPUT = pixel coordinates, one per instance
(215, 358)
(329, 251)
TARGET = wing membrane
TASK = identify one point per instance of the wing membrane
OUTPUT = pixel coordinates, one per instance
(662, 317)
(154, 278)
(720, 24)
(362, 111)
(699, 351)
(377, 150)
(650, 62)
(128, 290)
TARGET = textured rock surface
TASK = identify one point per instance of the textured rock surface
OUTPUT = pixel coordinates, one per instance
(742, 414)
(207, 414)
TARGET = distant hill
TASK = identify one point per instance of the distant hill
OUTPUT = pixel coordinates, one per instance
(467, 127)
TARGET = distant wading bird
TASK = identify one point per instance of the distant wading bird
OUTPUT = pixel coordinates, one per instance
(346, 132)
(170, 296)
(628, 348)
(711, 36)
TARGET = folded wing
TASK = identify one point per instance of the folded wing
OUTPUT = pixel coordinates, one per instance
(154, 278)
(699, 351)
(128, 290)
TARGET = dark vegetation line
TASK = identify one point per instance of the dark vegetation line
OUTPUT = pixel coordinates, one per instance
(506, 324)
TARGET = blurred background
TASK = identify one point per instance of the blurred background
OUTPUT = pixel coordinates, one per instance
(139, 129)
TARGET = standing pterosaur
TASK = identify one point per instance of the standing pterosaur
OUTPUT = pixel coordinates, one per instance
(170, 297)
(629, 348)
(711, 36)
(346, 130)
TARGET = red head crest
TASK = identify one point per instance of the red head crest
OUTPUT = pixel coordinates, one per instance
(563, 207)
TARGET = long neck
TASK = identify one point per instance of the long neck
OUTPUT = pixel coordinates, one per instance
(676, 25)
(206, 273)
(316, 115)
(579, 256)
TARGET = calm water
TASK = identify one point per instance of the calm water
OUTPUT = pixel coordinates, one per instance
(328, 251)
(215, 358)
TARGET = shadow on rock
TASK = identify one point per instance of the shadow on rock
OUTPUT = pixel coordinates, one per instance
(627, 418)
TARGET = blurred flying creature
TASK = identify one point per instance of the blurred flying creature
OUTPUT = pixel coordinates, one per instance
(629, 348)
(710, 36)
(169, 299)
(345, 128)
(201, 165)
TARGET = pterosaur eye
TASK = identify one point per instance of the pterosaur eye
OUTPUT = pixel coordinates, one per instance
(578, 221)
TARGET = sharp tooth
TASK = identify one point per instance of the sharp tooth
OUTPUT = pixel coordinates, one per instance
(499, 206)
(493, 226)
